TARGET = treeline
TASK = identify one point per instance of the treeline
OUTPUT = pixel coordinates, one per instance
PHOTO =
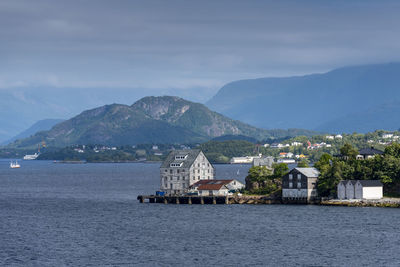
(223, 151)
(385, 168)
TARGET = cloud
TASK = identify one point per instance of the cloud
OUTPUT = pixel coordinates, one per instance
(188, 44)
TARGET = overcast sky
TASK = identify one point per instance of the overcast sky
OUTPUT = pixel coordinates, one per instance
(159, 46)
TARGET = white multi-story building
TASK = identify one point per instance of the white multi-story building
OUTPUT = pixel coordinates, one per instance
(183, 168)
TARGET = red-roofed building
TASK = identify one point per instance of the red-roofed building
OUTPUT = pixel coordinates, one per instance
(215, 187)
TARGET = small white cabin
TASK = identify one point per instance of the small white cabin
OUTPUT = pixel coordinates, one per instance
(341, 190)
(368, 189)
(350, 189)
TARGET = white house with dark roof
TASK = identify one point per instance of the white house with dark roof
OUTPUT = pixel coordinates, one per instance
(216, 187)
(183, 168)
(367, 153)
(300, 183)
(360, 189)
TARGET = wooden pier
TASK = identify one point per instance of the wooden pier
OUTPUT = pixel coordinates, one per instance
(213, 200)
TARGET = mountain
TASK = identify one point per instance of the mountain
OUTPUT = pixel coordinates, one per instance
(342, 100)
(22, 106)
(164, 119)
(42, 125)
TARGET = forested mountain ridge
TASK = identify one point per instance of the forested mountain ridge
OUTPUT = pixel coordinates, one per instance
(165, 119)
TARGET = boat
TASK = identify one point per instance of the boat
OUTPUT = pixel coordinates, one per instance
(14, 165)
(31, 157)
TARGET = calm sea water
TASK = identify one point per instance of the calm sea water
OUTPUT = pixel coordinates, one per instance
(88, 215)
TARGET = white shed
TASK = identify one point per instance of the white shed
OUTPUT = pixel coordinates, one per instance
(350, 189)
(341, 190)
(368, 189)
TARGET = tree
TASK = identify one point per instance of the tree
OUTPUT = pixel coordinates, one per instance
(280, 169)
(303, 164)
(393, 150)
(259, 173)
(348, 151)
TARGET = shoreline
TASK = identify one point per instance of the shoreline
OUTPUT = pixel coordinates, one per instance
(268, 200)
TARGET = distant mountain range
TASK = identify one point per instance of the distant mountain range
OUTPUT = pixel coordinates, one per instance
(350, 99)
(164, 119)
(42, 125)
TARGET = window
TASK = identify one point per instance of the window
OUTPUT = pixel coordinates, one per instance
(290, 176)
(170, 171)
(194, 171)
(298, 185)
(171, 185)
(198, 165)
(181, 157)
(198, 177)
(208, 170)
(183, 170)
(176, 164)
(208, 177)
(198, 171)
(208, 164)
(234, 182)
(177, 171)
(183, 178)
(177, 178)
(166, 170)
(298, 176)
(290, 185)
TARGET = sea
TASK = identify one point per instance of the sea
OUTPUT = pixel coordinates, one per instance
(88, 215)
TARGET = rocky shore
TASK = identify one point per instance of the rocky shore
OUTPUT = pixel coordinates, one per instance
(384, 202)
(254, 199)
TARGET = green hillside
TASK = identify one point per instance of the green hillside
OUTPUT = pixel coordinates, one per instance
(159, 120)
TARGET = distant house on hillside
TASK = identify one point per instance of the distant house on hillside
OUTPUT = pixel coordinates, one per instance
(296, 144)
(360, 189)
(216, 187)
(276, 145)
(387, 135)
(368, 153)
(183, 168)
(300, 183)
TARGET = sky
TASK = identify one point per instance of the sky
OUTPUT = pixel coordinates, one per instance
(188, 47)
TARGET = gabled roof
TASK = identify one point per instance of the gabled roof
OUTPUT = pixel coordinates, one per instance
(210, 184)
(309, 172)
(191, 157)
(370, 183)
(370, 151)
(351, 181)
